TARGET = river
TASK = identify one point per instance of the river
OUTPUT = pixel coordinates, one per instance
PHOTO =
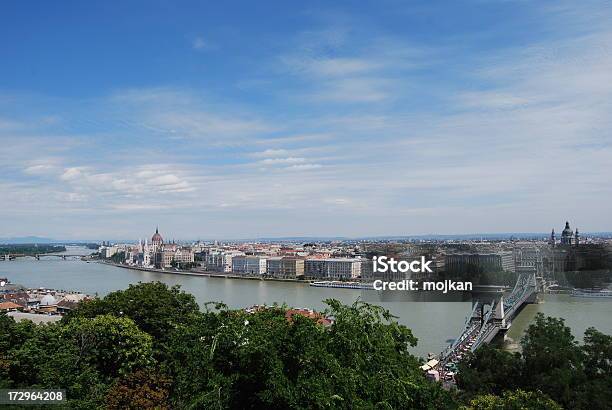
(433, 323)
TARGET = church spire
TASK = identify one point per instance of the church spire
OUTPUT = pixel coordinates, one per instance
(552, 237)
(577, 238)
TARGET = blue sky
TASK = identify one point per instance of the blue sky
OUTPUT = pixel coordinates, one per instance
(242, 119)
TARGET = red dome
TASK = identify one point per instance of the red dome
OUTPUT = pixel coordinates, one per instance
(157, 238)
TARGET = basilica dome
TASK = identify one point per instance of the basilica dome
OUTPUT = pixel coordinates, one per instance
(567, 231)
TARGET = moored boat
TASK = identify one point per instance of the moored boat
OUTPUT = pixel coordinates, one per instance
(592, 293)
(342, 285)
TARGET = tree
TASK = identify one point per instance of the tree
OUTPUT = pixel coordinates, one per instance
(118, 257)
(154, 307)
(513, 400)
(489, 370)
(232, 359)
(41, 356)
(6, 325)
(551, 362)
(597, 389)
(598, 353)
(140, 390)
(83, 357)
(149, 346)
(553, 358)
(113, 345)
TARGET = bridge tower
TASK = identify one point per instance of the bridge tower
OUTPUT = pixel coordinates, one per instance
(500, 313)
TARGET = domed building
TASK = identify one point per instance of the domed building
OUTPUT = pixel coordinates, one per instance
(164, 255)
(157, 239)
(567, 236)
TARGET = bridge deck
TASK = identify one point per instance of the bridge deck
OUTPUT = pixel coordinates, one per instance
(479, 330)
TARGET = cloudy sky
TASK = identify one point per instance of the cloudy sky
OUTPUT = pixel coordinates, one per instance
(242, 119)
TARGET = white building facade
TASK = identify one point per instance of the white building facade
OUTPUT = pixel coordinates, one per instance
(252, 265)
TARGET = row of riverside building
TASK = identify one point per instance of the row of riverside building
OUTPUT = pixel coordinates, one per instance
(307, 261)
(286, 267)
(335, 260)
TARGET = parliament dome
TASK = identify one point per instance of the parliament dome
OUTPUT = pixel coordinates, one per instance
(157, 238)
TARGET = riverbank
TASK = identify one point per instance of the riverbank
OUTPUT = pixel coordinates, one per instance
(206, 274)
(101, 279)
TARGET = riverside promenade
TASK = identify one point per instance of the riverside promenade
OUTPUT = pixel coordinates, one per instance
(203, 273)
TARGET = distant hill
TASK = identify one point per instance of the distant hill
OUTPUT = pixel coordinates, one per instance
(27, 239)
(40, 240)
(294, 239)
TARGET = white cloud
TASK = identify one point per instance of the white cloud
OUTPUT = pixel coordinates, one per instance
(73, 173)
(364, 70)
(303, 167)
(7, 124)
(200, 44)
(42, 169)
(75, 197)
(288, 160)
(492, 100)
(183, 114)
(198, 124)
(330, 67)
(519, 138)
(270, 153)
(358, 90)
(144, 182)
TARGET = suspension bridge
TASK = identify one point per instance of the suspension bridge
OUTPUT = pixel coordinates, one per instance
(492, 313)
(12, 256)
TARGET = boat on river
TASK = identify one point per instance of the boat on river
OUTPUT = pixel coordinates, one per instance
(341, 285)
(592, 293)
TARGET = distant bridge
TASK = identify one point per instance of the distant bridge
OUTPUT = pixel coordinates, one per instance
(492, 313)
(12, 256)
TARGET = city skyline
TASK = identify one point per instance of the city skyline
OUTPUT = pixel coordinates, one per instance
(439, 236)
(277, 120)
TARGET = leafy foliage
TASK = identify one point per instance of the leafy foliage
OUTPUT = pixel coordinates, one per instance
(513, 400)
(552, 358)
(490, 370)
(155, 308)
(552, 362)
(262, 360)
(118, 257)
(139, 390)
(114, 345)
(150, 346)
(30, 249)
(82, 357)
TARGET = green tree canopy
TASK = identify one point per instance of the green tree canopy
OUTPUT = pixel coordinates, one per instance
(113, 345)
(552, 362)
(553, 358)
(513, 400)
(489, 371)
(156, 308)
(262, 360)
(149, 346)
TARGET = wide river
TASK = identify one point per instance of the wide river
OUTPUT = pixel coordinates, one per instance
(433, 323)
